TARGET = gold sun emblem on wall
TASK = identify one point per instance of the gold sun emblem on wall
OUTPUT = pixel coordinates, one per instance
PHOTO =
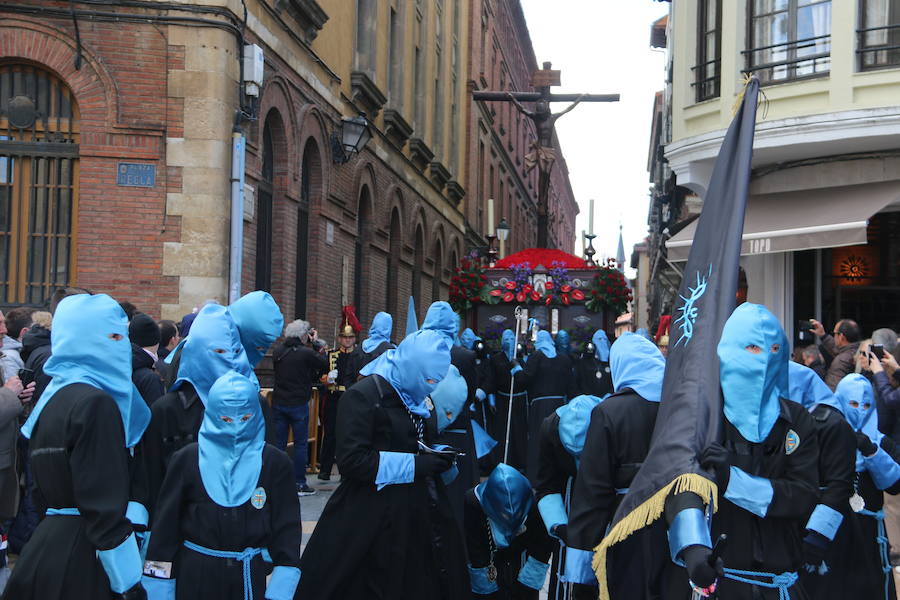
(854, 268)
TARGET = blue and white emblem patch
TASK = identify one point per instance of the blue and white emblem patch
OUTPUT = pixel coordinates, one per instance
(791, 441)
(258, 499)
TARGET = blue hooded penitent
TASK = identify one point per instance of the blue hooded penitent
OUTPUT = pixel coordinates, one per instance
(806, 388)
(753, 381)
(449, 397)
(644, 334)
(506, 498)
(563, 342)
(574, 419)
(601, 345)
(508, 343)
(468, 338)
(544, 343)
(259, 322)
(231, 440)
(855, 394)
(441, 318)
(83, 350)
(636, 363)
(414, 368)
(379, 332)
(213, 349)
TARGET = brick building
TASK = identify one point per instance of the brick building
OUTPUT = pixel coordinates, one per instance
(116, 143)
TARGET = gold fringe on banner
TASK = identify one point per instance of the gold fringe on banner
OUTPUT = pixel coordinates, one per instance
(646, 514)
(763, 101)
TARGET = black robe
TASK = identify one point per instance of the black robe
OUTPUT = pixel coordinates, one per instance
(616, 445)
(837, 473)
(380, 349)
(80, 461)
(557, 471)
(185, 512)
(771, 544)
(533, 542)
(548, 381)
(500, 382)
(592, 376)
(398, 542)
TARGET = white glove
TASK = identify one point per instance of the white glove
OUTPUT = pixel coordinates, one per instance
(332, 376)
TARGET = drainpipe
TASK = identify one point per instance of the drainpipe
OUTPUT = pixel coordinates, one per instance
(238, 146)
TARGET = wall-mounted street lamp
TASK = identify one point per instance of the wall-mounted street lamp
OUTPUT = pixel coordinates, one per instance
(350, 139)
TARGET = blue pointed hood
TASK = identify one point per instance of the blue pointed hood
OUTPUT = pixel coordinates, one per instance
(259, 322)
(644, 334)
(601, 345)
(508, 343)
(414, 368)
(441, 318)
(855, 394)
(379, 331)
(753, 383)
(506, 498)
(544, 343)
(231, 440)
(82, 351)
(468, 338)
(412, 322)
(563, 342)
(636, 363)
(574, 419)
(213, 348)
(449, 397)
(808, 389)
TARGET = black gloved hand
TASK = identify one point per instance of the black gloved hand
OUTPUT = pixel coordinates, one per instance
(697, 560)
(815, 545)
(562, 532)
(514, 363)
(717, 459)
(865, 445)
(581, 591)
(431, 464)
(135, 593)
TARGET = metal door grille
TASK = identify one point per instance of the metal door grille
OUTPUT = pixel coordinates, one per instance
(38, 184)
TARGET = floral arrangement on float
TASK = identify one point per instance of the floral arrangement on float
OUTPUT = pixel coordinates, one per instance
(525, 279)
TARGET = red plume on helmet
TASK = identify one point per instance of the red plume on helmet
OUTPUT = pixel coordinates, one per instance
(349, 318)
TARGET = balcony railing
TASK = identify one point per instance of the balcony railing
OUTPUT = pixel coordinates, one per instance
(875, 53)
(707, 87)
(789, 61)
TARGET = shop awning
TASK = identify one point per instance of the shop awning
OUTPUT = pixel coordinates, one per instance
(823, 218)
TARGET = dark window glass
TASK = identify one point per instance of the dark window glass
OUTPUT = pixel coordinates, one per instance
(709, 49)
(879, 34)
(789, 39)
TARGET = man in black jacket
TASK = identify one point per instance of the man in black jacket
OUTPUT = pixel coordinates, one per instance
(144, 335)
(297, 368)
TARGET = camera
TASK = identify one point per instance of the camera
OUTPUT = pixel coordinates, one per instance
(878, 351)
(26, 376)
(804, 325)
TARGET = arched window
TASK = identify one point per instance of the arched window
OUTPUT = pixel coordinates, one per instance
(363, 227)
(393, 271)
(438, 271)
(264, 211)
(310, 184)
(418, 266)
(39, 125)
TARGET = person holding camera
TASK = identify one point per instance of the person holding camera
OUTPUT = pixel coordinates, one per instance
(839, 347)
(297, 368)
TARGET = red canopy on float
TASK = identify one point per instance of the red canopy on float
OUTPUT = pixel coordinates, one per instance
(541, 256)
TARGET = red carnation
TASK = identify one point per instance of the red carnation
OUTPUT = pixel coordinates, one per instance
(548, 300)
(510, 285)
(508, 297)
(565, 299)
(566, 288)
(549, 285)
(496, 293)
(577, 294)
(535, 295)
(520, 297)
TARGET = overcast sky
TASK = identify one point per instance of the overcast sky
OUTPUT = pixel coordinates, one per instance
(603, 47)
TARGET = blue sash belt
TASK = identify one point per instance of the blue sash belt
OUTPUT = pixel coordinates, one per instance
(70, 512)
(516, 395)
(883, 548)
(782, 582)
(246, 556)
(539, 398)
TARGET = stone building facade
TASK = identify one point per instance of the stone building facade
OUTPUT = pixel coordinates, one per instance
(117, 125)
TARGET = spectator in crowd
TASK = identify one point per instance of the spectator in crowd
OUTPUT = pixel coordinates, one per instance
(812, 359)
(840, 348)
(42, 318)
(13, 397)
(144, 335)
(18, 320)
(36, 350)
(168, 337)
(129, 308)
(297, 368)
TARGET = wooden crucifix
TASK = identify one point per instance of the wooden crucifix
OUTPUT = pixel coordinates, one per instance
(542, 155)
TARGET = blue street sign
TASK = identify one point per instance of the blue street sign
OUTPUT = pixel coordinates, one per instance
(136, 174)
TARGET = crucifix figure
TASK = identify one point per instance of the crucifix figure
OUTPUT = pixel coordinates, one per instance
(542, 154)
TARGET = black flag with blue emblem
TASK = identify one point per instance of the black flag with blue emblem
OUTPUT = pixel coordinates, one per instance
(690, 414)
